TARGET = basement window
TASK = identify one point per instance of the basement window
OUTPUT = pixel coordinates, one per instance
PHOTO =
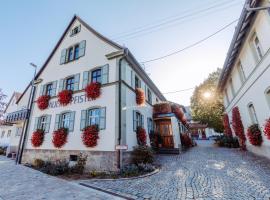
(73, 158)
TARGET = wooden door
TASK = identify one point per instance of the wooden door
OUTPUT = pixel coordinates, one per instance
(164, 128)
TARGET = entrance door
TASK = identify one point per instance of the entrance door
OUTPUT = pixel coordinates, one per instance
(164, 128)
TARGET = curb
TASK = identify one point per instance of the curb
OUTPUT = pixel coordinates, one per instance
(119, 179)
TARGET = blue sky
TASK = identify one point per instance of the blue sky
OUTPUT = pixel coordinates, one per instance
(30, 30)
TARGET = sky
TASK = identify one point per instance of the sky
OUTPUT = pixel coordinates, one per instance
(30, 29)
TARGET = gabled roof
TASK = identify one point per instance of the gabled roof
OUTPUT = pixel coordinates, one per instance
(127, 53)
(15, 95)
(239, 37)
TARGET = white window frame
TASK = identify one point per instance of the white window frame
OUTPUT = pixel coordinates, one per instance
(65, 120)
(252, 113)
(232, 87)
(241, 72)
(93, 114)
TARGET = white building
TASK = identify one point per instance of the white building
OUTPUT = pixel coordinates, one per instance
(245, 77)
(82, 56)
(11, 128)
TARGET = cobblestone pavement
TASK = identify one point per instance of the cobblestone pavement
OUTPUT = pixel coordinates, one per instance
(22, 183)
(203, 172)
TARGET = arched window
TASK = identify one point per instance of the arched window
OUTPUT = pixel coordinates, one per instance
(267, 96)
(252, 113)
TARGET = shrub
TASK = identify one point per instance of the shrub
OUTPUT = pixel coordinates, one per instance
(38, 163)
(142, 154)
(227, 141)
(3, 150)
(146, 167)
(59, 167)
(130, 170)
(186, 140)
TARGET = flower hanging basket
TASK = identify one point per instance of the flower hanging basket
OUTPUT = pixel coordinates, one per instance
(226, 124)
(267, 129)
(238, 127)
(65, 97)
(93, 90)
(60, 137)
(37, 138)
(141, 136)
(90, 136)
(140, 97)
(43, 102)
(254, 135)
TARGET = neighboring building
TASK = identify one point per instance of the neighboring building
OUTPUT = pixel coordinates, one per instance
(11, 127)
(82, 56)
(244, 81)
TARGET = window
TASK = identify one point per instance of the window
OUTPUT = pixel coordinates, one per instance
(75, 30)
(137, 82)
(232, 87)
(70, 83)
(227, 96)
(150, 125)
(65, 120)
(3, 134)
(93, 116)
(9, 133)
(149, 95)
(42, 123)
(156, 100)
(252, 114)
(267, 95)
(18, 131)
(49, 89)
(258, 47)
(76, 51)
(138, 120)
(70, 54)
(96, 76)
(241, 72)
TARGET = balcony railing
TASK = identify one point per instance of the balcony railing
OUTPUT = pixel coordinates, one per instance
(17, 116)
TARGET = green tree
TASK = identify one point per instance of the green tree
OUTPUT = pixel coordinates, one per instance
(2, 103)
(207, 103)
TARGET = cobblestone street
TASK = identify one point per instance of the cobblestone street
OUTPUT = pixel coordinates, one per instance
(22, 183)
(203, 172)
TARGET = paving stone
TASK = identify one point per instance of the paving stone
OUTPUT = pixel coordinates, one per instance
(203, 172)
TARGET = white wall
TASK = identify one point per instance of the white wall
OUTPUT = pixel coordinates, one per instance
(253, 89)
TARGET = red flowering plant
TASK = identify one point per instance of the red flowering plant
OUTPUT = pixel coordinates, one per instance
(43, 102)
(60, 137)
(90, 136)
(238, 127)
(254, 135)
(141, 136)
(267, 129)
(65, 97)
(226, 124)
(37, 138)
(140, 97)
(186, 140)
(162, 108)
(93, 91)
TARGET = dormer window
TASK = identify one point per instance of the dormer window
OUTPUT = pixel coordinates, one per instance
(75, 30)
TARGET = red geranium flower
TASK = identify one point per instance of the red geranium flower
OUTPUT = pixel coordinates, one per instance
(140, 98)
(267, 129)
(65, 97)
(93, 90)
(226, 124)
(141, 136)
(254, 135)
(60, 137)
(90, 136)
(43, 102)
(37, 138)
(238, 127)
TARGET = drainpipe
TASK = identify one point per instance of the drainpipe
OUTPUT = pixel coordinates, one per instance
(119, 154)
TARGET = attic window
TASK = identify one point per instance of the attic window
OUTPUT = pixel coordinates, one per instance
(75, 30)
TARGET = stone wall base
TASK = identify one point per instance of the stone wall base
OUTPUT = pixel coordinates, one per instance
(96, 160)
(261, 151)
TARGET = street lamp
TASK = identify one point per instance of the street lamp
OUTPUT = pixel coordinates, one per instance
(26, 122)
